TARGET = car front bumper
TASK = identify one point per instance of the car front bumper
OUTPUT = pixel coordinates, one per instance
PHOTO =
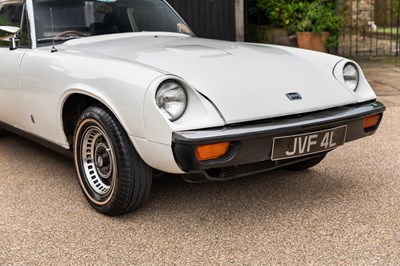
(252, 143)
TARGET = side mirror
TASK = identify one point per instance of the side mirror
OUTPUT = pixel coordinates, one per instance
(10, 35)
(9, 29)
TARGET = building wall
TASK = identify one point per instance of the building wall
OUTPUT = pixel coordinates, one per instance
(215, 19)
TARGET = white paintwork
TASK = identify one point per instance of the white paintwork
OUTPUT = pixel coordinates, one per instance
(232, 74)
(123, 71)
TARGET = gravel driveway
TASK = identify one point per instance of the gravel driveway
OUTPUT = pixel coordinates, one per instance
(344, 211)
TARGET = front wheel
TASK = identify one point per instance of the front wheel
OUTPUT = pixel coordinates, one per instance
(111, 174)
(300, 166)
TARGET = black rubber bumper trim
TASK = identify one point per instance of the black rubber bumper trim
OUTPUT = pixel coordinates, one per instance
(252, 142)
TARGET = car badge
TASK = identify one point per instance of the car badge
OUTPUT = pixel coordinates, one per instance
(293, 96)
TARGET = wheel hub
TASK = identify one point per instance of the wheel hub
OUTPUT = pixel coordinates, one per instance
(103, 163)
(100, 161)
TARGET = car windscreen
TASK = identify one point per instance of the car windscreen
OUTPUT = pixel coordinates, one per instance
(62, 20)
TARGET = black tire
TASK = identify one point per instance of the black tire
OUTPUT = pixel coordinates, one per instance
(3, 132)
(300, 166)
(116, 181)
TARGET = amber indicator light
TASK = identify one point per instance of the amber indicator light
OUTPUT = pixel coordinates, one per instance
(371, 121)
(212, 151)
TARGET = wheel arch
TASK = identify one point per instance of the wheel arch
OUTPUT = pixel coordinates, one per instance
(75, 103)
(72, 106)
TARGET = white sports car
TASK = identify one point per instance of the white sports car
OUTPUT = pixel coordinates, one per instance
(127, 90)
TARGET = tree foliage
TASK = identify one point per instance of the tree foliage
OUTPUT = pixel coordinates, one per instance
(300, 16)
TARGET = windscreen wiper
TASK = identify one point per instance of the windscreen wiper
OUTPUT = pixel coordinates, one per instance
(63, 38)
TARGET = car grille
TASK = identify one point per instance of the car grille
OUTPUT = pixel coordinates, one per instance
(251, 168)
(241, 170)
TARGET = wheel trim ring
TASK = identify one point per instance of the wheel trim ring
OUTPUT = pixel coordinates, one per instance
(91, 138)
(87, 123)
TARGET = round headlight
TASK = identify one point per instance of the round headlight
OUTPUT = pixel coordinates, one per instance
(350, 75)
(171, 99)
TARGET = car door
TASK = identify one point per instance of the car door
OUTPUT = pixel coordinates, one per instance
(10, 91)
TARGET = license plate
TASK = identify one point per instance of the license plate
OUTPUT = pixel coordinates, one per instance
(308, 143)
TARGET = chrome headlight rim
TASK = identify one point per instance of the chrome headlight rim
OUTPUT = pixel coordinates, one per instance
(348, 78)
(161, 99)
